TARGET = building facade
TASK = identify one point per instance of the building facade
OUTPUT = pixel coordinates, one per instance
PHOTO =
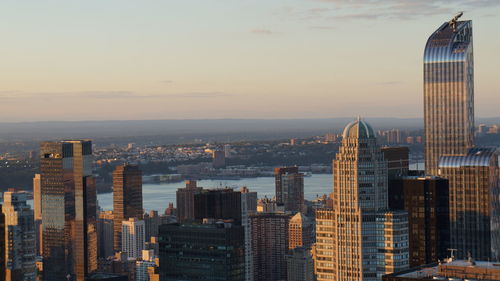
(37, 206)
(105, 230)
(216, 204)
(69, 209)
(2, 244)
(354, 238)
(202, 252)
(300, 265)
(20, 241)
(289, 188)
(133, 237)
(426, 201)
(269, 245)
(185, 201)
(474, 203)
(300, 231)
(448, 93)
(127, 198)
(248, 207)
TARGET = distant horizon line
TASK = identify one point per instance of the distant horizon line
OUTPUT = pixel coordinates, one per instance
(223, 119)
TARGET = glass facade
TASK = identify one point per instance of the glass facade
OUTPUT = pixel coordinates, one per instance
(448, 93)
(474, 203)
(69, 212)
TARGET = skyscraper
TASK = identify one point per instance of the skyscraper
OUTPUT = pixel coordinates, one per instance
(218, 204)
(426, 201)
(248, 207)
(127, 198)
(69, 212)
(448, 92)
(213, 251)
(105, 234)
(37, 206)
(2, 245)
(474, 203)
(289, 188)
(133, 237)
(354, 240)
(20, 246)
(300, 265)
(269, 245)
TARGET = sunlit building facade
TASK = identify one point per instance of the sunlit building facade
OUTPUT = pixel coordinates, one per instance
(474, 203)
(127, 198)
(69, 213)
(354, 240)
(448, 93)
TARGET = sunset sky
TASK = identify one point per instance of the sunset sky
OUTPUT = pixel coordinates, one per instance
(186, 59)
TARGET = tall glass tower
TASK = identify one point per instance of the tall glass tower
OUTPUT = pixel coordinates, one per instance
(448, 92)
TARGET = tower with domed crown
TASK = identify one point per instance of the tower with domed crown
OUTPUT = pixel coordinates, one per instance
(359, 225)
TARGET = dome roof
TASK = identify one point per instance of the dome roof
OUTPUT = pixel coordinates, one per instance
(358, 129)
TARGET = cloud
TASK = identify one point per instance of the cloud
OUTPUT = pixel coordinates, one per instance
(322, 27)
(263, 31)
(13, 95)
(393, 9)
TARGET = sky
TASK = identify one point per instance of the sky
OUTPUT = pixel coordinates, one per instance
(69, 60)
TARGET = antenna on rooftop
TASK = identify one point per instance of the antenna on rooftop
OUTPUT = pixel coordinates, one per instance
(454, 20)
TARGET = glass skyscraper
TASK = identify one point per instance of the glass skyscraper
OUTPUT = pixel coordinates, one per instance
(448, 92)
(68, 210)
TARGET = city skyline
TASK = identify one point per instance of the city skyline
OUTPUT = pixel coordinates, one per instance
(179, 60)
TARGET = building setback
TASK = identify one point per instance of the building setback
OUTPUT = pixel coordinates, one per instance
(69, 209)
(426, 201)
(448, 93)
(202, 252)
(269, 245)
(127, 198)
(474, 203)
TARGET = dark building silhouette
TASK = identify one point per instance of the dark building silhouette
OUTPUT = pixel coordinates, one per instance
(2, 245)
(397, 159)
(106, 277)
(185, 201)
(127, 198)
(69, 209)
(202, 252)
(218, 204)
(289, 188)
(426, 201)
(269, 245)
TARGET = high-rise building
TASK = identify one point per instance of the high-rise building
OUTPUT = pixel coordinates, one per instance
(185, 201)
(300, 231)
(69, 209)
(426, 201)
(448, 92)
(269, 245)
(248, 207)
(20, 244)
(2, 245)
(218, 204)
(127, 198)
(37, 206)
(202, 252)
(324, 256)
(359, 228)
(474, 203)
(392, 242)
(289, 188)
(133, 233)
(300, 265)
(105, 234)
(397, 159)
(144, 265)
